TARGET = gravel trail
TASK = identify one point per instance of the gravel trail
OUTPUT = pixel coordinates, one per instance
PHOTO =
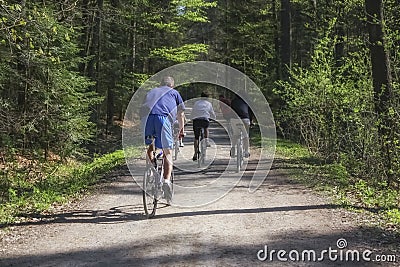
(108, 228)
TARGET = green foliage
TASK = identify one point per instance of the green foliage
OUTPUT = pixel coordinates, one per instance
(67, 71)
(47, 98)
(290, 149)
(58, 185)
(193, 10)
(329, 100)
(181, 54)
(331, 109)
(335, 179)
(243, 36)
(376, 194)
(393, 216)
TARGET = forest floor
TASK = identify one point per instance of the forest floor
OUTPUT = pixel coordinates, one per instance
(282, 223)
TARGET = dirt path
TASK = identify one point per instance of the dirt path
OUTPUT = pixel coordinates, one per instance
(109, 228)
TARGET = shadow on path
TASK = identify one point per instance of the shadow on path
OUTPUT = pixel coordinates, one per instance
(128, 213)
(227, 253)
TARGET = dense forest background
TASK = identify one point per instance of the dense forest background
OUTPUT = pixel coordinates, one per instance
(329, 69)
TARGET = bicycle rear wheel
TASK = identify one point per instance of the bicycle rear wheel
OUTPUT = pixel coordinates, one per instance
(200, 154)
(203, 146)
(149, 193)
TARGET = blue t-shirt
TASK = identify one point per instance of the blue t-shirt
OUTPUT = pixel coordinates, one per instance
(163, 101)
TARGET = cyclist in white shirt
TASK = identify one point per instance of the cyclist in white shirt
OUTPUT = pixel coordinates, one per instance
(201, 114)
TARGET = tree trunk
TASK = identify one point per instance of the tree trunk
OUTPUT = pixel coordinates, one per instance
(110, 108)
(134, 37)
(379, 58)
(276, 39)
(86, 39)
(94, 64)
(340, 33)
(286, 37)
(381, 77)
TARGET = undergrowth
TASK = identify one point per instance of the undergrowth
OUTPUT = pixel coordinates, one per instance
(57, 184)
(332, 177)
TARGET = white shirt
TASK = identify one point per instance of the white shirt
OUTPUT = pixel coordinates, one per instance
(202, 109)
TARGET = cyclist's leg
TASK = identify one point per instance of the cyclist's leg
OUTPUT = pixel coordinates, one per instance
(181, 141)
(235, 134)
(148, 126)
(196, 148)
(246, 143)
(165, 141)
(168, 165)
(196, 130)
(206, 124)
(150, 156)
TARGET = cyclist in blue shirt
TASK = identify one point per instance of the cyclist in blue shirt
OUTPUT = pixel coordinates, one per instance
(161, 107)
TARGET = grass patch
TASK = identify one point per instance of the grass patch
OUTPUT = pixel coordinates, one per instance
(334, 178)
(57, 185)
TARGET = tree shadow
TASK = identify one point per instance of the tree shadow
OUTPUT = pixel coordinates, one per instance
(127, 213)
(119, 214)
(224, 249)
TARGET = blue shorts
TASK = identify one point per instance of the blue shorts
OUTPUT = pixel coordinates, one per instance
(160, 127)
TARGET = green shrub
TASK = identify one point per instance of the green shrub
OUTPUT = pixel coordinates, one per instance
(57, 186)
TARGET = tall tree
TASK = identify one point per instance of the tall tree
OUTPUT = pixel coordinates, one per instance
(41, 55)
(381, 76)
(286, 37)
(381, 73)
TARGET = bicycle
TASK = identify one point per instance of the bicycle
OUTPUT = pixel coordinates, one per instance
(153, 181)
(202, 149)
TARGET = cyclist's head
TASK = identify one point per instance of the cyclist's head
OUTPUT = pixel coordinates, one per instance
(204, 94)
(168, 81)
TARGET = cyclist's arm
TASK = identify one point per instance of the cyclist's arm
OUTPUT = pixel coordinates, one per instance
(180, 116)
(181, 120)
(251, 116)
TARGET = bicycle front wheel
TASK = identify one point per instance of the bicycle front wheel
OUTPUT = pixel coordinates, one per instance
(149, 193)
